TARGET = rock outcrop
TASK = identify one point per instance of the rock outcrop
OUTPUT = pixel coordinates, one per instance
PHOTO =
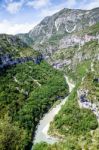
(7, 60)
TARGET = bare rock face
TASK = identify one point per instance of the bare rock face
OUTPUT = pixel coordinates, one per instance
(63, 30)
(6, 60)
(14, 51)
(64, 22)
(59, 29)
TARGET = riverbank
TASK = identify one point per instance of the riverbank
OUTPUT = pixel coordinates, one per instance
(41, 134)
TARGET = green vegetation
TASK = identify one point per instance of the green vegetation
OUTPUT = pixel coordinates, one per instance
(78, 68)
(54, 39)
(27, 91)
(75, 121)
(91, 85)
(65, 53)
(91, 48)
(89, 141)
(15, 47)
(58, 146)
(79, 71)
(73, 126)
(11, 135)
(77, 128)
(92, 30)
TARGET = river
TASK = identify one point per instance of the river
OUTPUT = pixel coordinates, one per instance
(41, 134)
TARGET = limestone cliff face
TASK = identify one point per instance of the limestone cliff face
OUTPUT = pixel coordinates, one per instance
(62, 36)
(64, 22)
(14, 51)
(6, 60)
(59, 30)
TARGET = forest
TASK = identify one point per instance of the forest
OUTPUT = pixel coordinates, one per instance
(73, 125)
(27, 91)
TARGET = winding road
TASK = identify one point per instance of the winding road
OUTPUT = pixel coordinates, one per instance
(41, 134)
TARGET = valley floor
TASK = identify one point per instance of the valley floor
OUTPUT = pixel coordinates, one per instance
(76, 125)
(41, 134)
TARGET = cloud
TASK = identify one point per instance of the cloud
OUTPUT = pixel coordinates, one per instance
(70, 3)
(90, 5)
(13, 7)
(50, 5)
(50, 10)
(11, 28)
(44, 8)
(37, 4)
(84, 4)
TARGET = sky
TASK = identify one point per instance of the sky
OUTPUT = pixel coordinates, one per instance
(20, 16)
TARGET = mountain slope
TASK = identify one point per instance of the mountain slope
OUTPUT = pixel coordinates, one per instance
(77, 124)
(27, 91)
(14, 46)
(14, 51)
(28, 88)
(68, 40)
(62, 24)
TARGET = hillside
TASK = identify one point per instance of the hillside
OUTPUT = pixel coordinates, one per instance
(76, 125)
(28, 88)
(64, 37)
(14, 51)
(27, 91)
(53, 31)
(32, 81)
(12, 45)
(75, 53)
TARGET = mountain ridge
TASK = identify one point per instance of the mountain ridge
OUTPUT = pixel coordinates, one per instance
(59, 25)
(69, 42)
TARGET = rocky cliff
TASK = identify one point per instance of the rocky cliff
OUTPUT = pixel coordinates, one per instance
(61, 25)
(14, 51)
(67, 37)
